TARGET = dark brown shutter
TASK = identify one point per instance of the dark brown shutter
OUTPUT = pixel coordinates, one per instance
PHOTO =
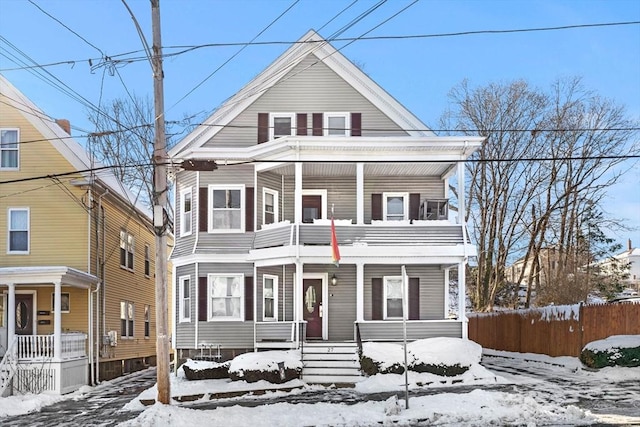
(248, 298)
(317, 124)
(263, 127)
(376, 298)
(203, 208)
(414, 206)
(301, 124)
(376, 206)
(356, 124)
(414, 298)
(248, 209)
(202, 299)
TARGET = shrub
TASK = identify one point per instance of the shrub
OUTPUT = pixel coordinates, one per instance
(264, 365)
(617, 350)
(194, 370)
(440, 369)
(371, 367)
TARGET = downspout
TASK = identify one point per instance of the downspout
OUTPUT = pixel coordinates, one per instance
(90, 319)
(101, 285)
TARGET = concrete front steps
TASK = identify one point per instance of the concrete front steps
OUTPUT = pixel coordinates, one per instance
(331, 363)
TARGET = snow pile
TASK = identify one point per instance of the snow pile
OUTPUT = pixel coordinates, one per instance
(613, 343)
(266, 361)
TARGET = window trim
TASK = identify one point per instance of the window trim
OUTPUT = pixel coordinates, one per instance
(183, 230)
(128, 250)
(62, 302)
(147, 260)
(210, 317)
(405, 205)
(130, 320)
(272, 128)
(241, 210)
(323, 196)
(347, 123)
(181, 317)
(9, 230)
(147, 321)
(273, 318)
(385, 315)
(276, 202)
(17, 150)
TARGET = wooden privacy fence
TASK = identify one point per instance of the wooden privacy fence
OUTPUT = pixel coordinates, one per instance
(555, 330)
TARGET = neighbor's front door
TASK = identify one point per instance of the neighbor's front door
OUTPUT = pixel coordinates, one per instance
(24, 314)
(312, 309)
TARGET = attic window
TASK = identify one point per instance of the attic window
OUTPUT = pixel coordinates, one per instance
(281, 124)
(337, 124)
(8, 148)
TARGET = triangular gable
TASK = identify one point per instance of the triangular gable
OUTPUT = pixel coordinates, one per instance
(69, 148)
(311, 42)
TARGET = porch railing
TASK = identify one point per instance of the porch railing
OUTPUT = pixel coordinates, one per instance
(392, 330)
(34, 347)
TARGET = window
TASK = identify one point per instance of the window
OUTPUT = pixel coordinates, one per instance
(225, 297)
(435, 209)
(337, 124)
(314, 205)
(8, 148)
(270, 297)
(185, 212)
(185, 298)
(126, 319)
(395, 206)
(281, 124)
(18, 231)
(147, 260)
(270, 202)
(126, 250)
(64, 302)
(393, 297)
(147, 318)
(226, 207)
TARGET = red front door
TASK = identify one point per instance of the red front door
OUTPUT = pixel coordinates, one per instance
(312, 307)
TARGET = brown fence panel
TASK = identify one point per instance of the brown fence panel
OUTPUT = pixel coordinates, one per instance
(602, 321)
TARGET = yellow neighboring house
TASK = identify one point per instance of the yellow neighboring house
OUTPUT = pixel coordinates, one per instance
(77, 287)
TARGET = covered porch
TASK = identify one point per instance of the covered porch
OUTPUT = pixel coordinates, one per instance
(39, 352)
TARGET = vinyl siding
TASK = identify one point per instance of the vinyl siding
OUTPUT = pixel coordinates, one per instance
(310, 87)
(186, 331)
(184, 245)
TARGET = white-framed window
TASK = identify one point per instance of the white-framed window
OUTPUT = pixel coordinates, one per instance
(270, 206)
(270, 298)
(65, 302)
(126, 319)
(226, 209)
(147, 260)
(147, 321)
(395, 206)
(226, 297)
(314, 205)
(393, 297)
(281, 124)
(18, 231)
(9, 151)
(126, 250)
(185, 212)
(185, 298)
(337, 124)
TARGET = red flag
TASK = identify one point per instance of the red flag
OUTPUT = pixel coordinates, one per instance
(335, 250)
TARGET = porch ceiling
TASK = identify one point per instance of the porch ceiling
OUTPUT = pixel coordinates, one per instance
(67, 276)
(377, 169)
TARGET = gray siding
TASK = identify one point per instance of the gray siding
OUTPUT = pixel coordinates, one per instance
(237, 335)
(318, 89)
(431, 287)
(427, 186)
(285, 291)
(186, 331)
(393, 331)
(273, 182)
(184, 245)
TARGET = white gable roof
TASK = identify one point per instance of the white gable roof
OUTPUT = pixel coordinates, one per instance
(71, 150)
(310, 43)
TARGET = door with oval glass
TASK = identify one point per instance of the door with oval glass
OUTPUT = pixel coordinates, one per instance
(24, 314)
(312, 300)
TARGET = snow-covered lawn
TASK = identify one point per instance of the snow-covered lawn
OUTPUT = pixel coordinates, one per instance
(452, 406)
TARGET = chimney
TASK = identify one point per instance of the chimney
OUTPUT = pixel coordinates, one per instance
(65, 125)
(629, 245)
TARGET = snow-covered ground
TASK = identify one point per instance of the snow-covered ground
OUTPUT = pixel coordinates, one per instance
(466, 400)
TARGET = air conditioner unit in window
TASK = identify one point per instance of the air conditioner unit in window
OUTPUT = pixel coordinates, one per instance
(434, 209)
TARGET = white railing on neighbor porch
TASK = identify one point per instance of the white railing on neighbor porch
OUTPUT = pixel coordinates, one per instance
(34, 347)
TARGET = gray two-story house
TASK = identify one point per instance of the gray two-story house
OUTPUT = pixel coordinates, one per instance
(309, 139)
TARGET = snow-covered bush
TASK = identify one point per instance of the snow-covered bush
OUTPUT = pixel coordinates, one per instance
(616, 350)
(265, 365)
(440, 356)
(203, 370)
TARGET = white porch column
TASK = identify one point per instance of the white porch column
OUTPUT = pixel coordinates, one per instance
(359, 193)
(462, 205)
(11, 313)
(57, 322)
(298, 193)
(297, 298)
(359, 292)
(462, 293)
(447, 309)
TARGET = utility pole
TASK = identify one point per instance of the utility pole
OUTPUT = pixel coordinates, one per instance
(159, 217)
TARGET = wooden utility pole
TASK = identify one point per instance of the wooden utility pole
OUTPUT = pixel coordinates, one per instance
(159, 217)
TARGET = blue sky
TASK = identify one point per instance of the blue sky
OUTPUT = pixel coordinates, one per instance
(418, 72)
